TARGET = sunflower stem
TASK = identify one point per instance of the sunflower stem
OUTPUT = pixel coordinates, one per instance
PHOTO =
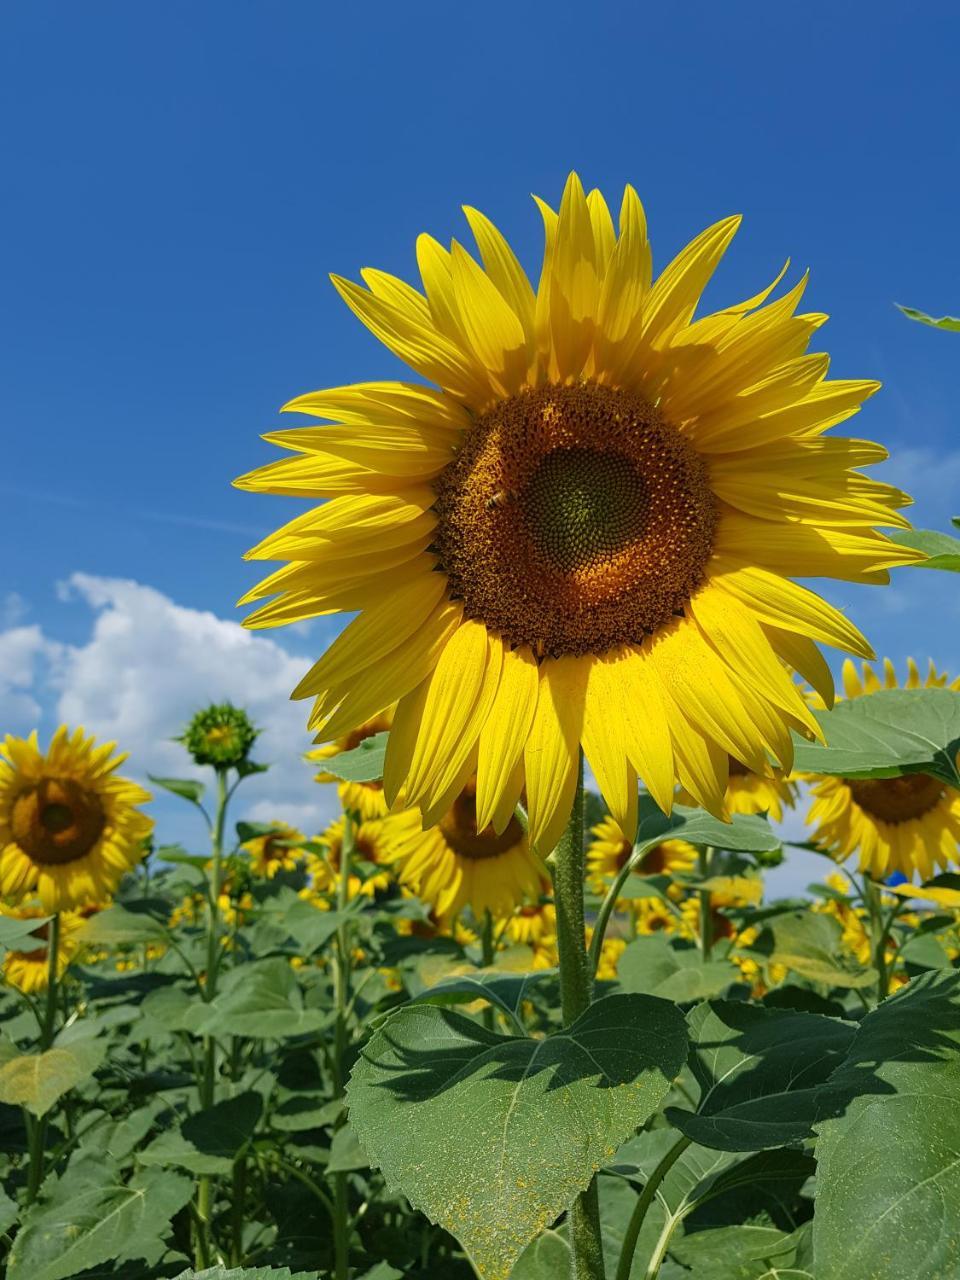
(576, 993)
(486, 942)
(342, 977)
(704, 866)
(37, 1125)
(644, 1201)
(208, 1080)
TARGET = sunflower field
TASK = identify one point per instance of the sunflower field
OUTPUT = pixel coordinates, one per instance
(526, 1009)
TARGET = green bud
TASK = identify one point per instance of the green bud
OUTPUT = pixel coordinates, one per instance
(220, 735)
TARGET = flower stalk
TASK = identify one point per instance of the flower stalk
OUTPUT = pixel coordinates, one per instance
(576, 993)
(37, 1125)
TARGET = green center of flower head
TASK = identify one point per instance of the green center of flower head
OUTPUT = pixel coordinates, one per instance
(582, 505)
(221, 735)
(574, 519)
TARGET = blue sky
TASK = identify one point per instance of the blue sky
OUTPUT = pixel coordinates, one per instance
(181, 178)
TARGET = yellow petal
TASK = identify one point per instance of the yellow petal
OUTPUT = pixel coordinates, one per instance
(505, 732)
(605, 744)
(551, 755)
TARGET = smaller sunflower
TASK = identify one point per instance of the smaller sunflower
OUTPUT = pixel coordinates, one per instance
(532, 925)
(453, 865)
(610, 850)
(28, 966)
(908, 824)
(371, 843)
(362, 798)
(70, 829)
(275, 851)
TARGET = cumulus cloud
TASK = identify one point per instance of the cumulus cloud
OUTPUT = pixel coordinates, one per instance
(148, 664)
(23, 651)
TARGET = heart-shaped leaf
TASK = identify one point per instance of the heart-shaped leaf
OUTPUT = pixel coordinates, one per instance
(260, 1000)
(364, 763)
(540, 1116)
(811, 945)
(759, 1072)
(37, 1080)
(891, 732)
(651, 966)
(887, 1154)
(943, 551)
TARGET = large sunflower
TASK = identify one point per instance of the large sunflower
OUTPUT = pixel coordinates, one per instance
(585, 532)
(458, 863)
(907, 824)
(69, 827)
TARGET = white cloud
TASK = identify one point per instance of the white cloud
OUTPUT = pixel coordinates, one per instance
(22, 651)
(148, 665)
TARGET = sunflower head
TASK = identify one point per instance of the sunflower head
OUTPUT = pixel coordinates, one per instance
(583, 532)
(27, 967)
(220, 735)
(275, 850)
(69, 826)
(908, 824)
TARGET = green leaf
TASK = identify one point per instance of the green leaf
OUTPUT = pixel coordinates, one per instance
(8, 1211)
(346, 1154)
(892, 732)
(746, 833)
(744, 1252)
(118, 925)
(364, 763)
(888, 1190)
(546, 1258)
(247, 768)
(943, 551)
(13, 931)
(253, 1273)
(37, 1080)
(540, 1115)
(759, 1072)
(261, 1000)
(208, 1141)
(811, 945)
(949, 323)
(187, 788)
(92, 1217)
(651, 966)
(505, 991)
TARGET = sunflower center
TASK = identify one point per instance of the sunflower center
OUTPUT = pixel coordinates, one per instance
(57, 820)
(897, 800)
(574, 519)
(459, 828)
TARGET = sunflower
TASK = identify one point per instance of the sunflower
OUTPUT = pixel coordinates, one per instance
(363, 798)
(27, 967)
(69, 827)
(457, 863)
(584, 533)
(610, 850)
(907, 824)
(371, 843)
(749, 792)
(275, 850)
(533, 924)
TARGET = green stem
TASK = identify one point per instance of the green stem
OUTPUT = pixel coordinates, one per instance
(342, 975)
(576, 993)
(644, 1201)
(704, 866)
(879, 934)
(609, 903)
(37, 1125)
(238, 1194)
(208, 1080)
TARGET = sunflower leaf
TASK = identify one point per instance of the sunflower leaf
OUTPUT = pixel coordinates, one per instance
(652, 966)
(257, 1273)
(505, 991)
(542, 1115)
(187, 788)
(943, 551)
(91, 1216)
(810, 945)
(889, 1134)
(13, 931)
(364, 763)
(744, 834)
(37, 1080)
(949, 323)
(118, 925)
(886, 734)
(759, 1072)
(209, 1141)
(261, 1000)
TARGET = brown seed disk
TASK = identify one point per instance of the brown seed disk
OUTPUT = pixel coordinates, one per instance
(459, 828)
(57, 821)
(897, 800)
(574, 519)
